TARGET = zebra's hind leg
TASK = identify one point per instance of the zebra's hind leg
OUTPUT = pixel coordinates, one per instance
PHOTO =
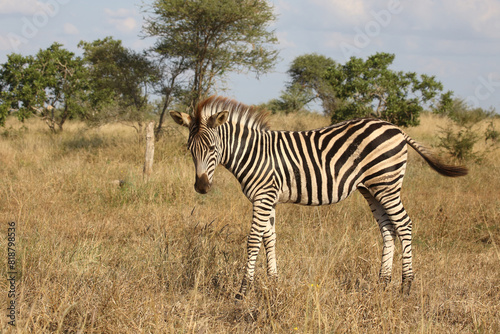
(402, 221)
(390, 200)
(388, 236)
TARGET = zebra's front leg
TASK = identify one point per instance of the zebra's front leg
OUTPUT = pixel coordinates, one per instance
(262, 211)
(269, 239)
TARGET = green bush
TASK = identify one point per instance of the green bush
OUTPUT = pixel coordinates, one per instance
(492, 134)
(459, 138)
(460, 144)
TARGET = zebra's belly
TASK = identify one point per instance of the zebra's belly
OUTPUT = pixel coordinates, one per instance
(317, 195)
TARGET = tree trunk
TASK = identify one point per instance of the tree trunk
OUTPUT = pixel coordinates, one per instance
(64, 116)
(158, 130)
(150, 151)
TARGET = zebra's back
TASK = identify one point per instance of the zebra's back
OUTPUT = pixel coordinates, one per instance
(326, 165)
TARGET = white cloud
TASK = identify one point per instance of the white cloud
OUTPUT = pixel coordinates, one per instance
(334, 39)
(282, 5)
(482, 16)
(284, 41)
(122, 19)
(70, 29)
(353, 11)
(25, 7)
(457, 19)
(124, 25)
(120, 12)
(5, 44)
(441, 67)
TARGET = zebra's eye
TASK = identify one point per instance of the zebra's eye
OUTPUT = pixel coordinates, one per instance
(211, 148)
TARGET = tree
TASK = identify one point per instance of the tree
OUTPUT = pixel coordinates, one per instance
(168, 86)
(308, 72)
(208, 39)
(369, 87)
(293, 98)
(461, 135)
(101, 60)
(120, 79)
(66, 82)
(50, 85)
(457, 110)
(21, 87)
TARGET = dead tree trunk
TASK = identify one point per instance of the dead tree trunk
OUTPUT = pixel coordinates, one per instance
(150, 151)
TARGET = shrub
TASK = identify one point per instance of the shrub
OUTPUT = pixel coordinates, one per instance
(460, 144)
(491, 134)
(459, 138)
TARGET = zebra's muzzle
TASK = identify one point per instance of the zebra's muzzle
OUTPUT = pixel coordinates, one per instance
(202, 185)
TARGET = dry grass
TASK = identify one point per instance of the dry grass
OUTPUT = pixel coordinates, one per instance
(94, 257)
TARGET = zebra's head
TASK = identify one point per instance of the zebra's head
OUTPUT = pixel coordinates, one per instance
(205, 145)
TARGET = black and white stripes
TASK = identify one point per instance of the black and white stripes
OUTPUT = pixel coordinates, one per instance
(316, 167)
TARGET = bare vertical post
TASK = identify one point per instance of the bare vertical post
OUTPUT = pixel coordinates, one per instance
(150, 151)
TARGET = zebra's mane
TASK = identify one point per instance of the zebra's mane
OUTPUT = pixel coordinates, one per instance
(239, 113)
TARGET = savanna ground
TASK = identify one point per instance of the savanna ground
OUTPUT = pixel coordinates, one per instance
(156, 257)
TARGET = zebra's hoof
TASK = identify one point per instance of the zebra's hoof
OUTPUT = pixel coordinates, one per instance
(406, 286)
(384, 281)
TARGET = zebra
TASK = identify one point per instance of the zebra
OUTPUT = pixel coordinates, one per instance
(315, 167)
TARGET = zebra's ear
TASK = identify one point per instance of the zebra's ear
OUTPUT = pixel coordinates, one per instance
(181, 118)
(218, 119)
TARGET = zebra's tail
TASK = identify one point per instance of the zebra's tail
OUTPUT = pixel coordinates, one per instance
(434, 162)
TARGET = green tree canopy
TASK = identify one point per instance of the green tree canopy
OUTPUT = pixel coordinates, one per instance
(119, 78)
(457, 110)
(369, 87)
(50, 85)
(293, 98)
(21, 87)
(308, 72)
(212, 38)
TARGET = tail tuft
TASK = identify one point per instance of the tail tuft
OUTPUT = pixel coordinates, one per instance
(448, 170)
(435, 163)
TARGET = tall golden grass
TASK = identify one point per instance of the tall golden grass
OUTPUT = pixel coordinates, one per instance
(156, 257)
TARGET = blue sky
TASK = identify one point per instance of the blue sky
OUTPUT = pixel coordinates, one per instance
(458, 41)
